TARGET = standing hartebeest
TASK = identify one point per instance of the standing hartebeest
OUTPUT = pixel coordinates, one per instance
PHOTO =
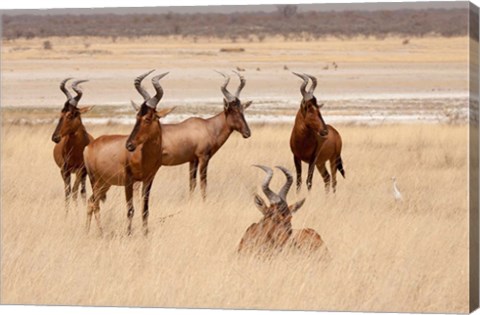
(116, 160)
(71, 138)
(314, 142)
(195, 140)
(274, 231)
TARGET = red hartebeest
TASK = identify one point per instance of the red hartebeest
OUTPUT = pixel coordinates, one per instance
(116, 160)
(71, 138)
(314, 142)
(274, 231)
(196, 140)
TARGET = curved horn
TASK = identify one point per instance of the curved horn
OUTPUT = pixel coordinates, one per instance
(223, 88)
(314, 83)
(64, 89)
(138, 85)
(286, 187)
(152, 102)
(77, 90)
(242, 83)
(272, 197)
(304, 84)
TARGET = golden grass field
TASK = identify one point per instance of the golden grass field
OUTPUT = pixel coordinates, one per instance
(385, 256)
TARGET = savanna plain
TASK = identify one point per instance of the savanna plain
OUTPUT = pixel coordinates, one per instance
(383, 255)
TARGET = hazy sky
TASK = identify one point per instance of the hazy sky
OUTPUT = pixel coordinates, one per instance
(246, 8)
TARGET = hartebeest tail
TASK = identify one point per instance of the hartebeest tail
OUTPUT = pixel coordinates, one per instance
(115, 160)
(274, 231)
(340, 166)
(196, 140)
(71, 138)
(314, 142)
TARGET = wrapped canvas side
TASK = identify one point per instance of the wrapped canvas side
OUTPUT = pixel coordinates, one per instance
(474, 157)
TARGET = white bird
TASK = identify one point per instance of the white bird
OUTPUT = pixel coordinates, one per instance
(396, 193)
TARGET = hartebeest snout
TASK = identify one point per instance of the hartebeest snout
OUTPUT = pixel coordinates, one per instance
(71, 138)
(314, 142)
(116, 160)
(274, 231)
(196, 140)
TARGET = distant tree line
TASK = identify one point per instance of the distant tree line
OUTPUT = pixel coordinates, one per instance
(286, 22)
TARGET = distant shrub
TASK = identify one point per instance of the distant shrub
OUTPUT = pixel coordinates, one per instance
(286, 20)
(47, 45)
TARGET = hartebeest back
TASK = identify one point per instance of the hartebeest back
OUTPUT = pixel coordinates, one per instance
(71, 138)
(122, 160)
(196, 140)
(274, 232)
(314, 142)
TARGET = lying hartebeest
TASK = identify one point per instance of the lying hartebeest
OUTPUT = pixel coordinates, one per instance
(71, 138)
(274, 231)
(196, 140)
(122, 160)
(314, 142)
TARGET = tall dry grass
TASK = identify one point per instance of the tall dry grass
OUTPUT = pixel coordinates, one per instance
(385, 256)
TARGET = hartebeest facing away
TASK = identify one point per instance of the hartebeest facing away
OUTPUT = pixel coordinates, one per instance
(274, 231)
(196, 140)
(314, 142)
(71, 138)
(116, 160)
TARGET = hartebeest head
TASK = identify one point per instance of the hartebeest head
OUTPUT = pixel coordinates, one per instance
(277, 216)
(309, 106)
(70, 120)
(147, 120)
(234, 108)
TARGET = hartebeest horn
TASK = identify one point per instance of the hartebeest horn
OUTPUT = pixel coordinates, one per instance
(272, 197)
(314, 83)
(64, 89)
(242, 83)
(138, 85)
(286, 187)
(228, 96)
(304, 84)
(74, 101)
(306, 95)
(153, 102)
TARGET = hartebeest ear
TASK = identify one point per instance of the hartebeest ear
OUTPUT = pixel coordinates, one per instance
(321, 105)
(225, 104)
(297, 205)
(164, 112)
(247, 104)
(135, 106)
(85, 109)
(260, 203)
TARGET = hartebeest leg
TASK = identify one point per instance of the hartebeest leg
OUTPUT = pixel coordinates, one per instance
(99, 193)
(66, 175)
(193, 174)
(298, 169)
(146, 196)
(83, 188)
(311, 168)
(326, 177)
(203, 165)
(76, 185)
(90, 210)
(333, 168)
(129, 198)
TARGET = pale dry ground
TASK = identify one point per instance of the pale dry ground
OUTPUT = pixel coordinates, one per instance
(385, 256)
(366, 68)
